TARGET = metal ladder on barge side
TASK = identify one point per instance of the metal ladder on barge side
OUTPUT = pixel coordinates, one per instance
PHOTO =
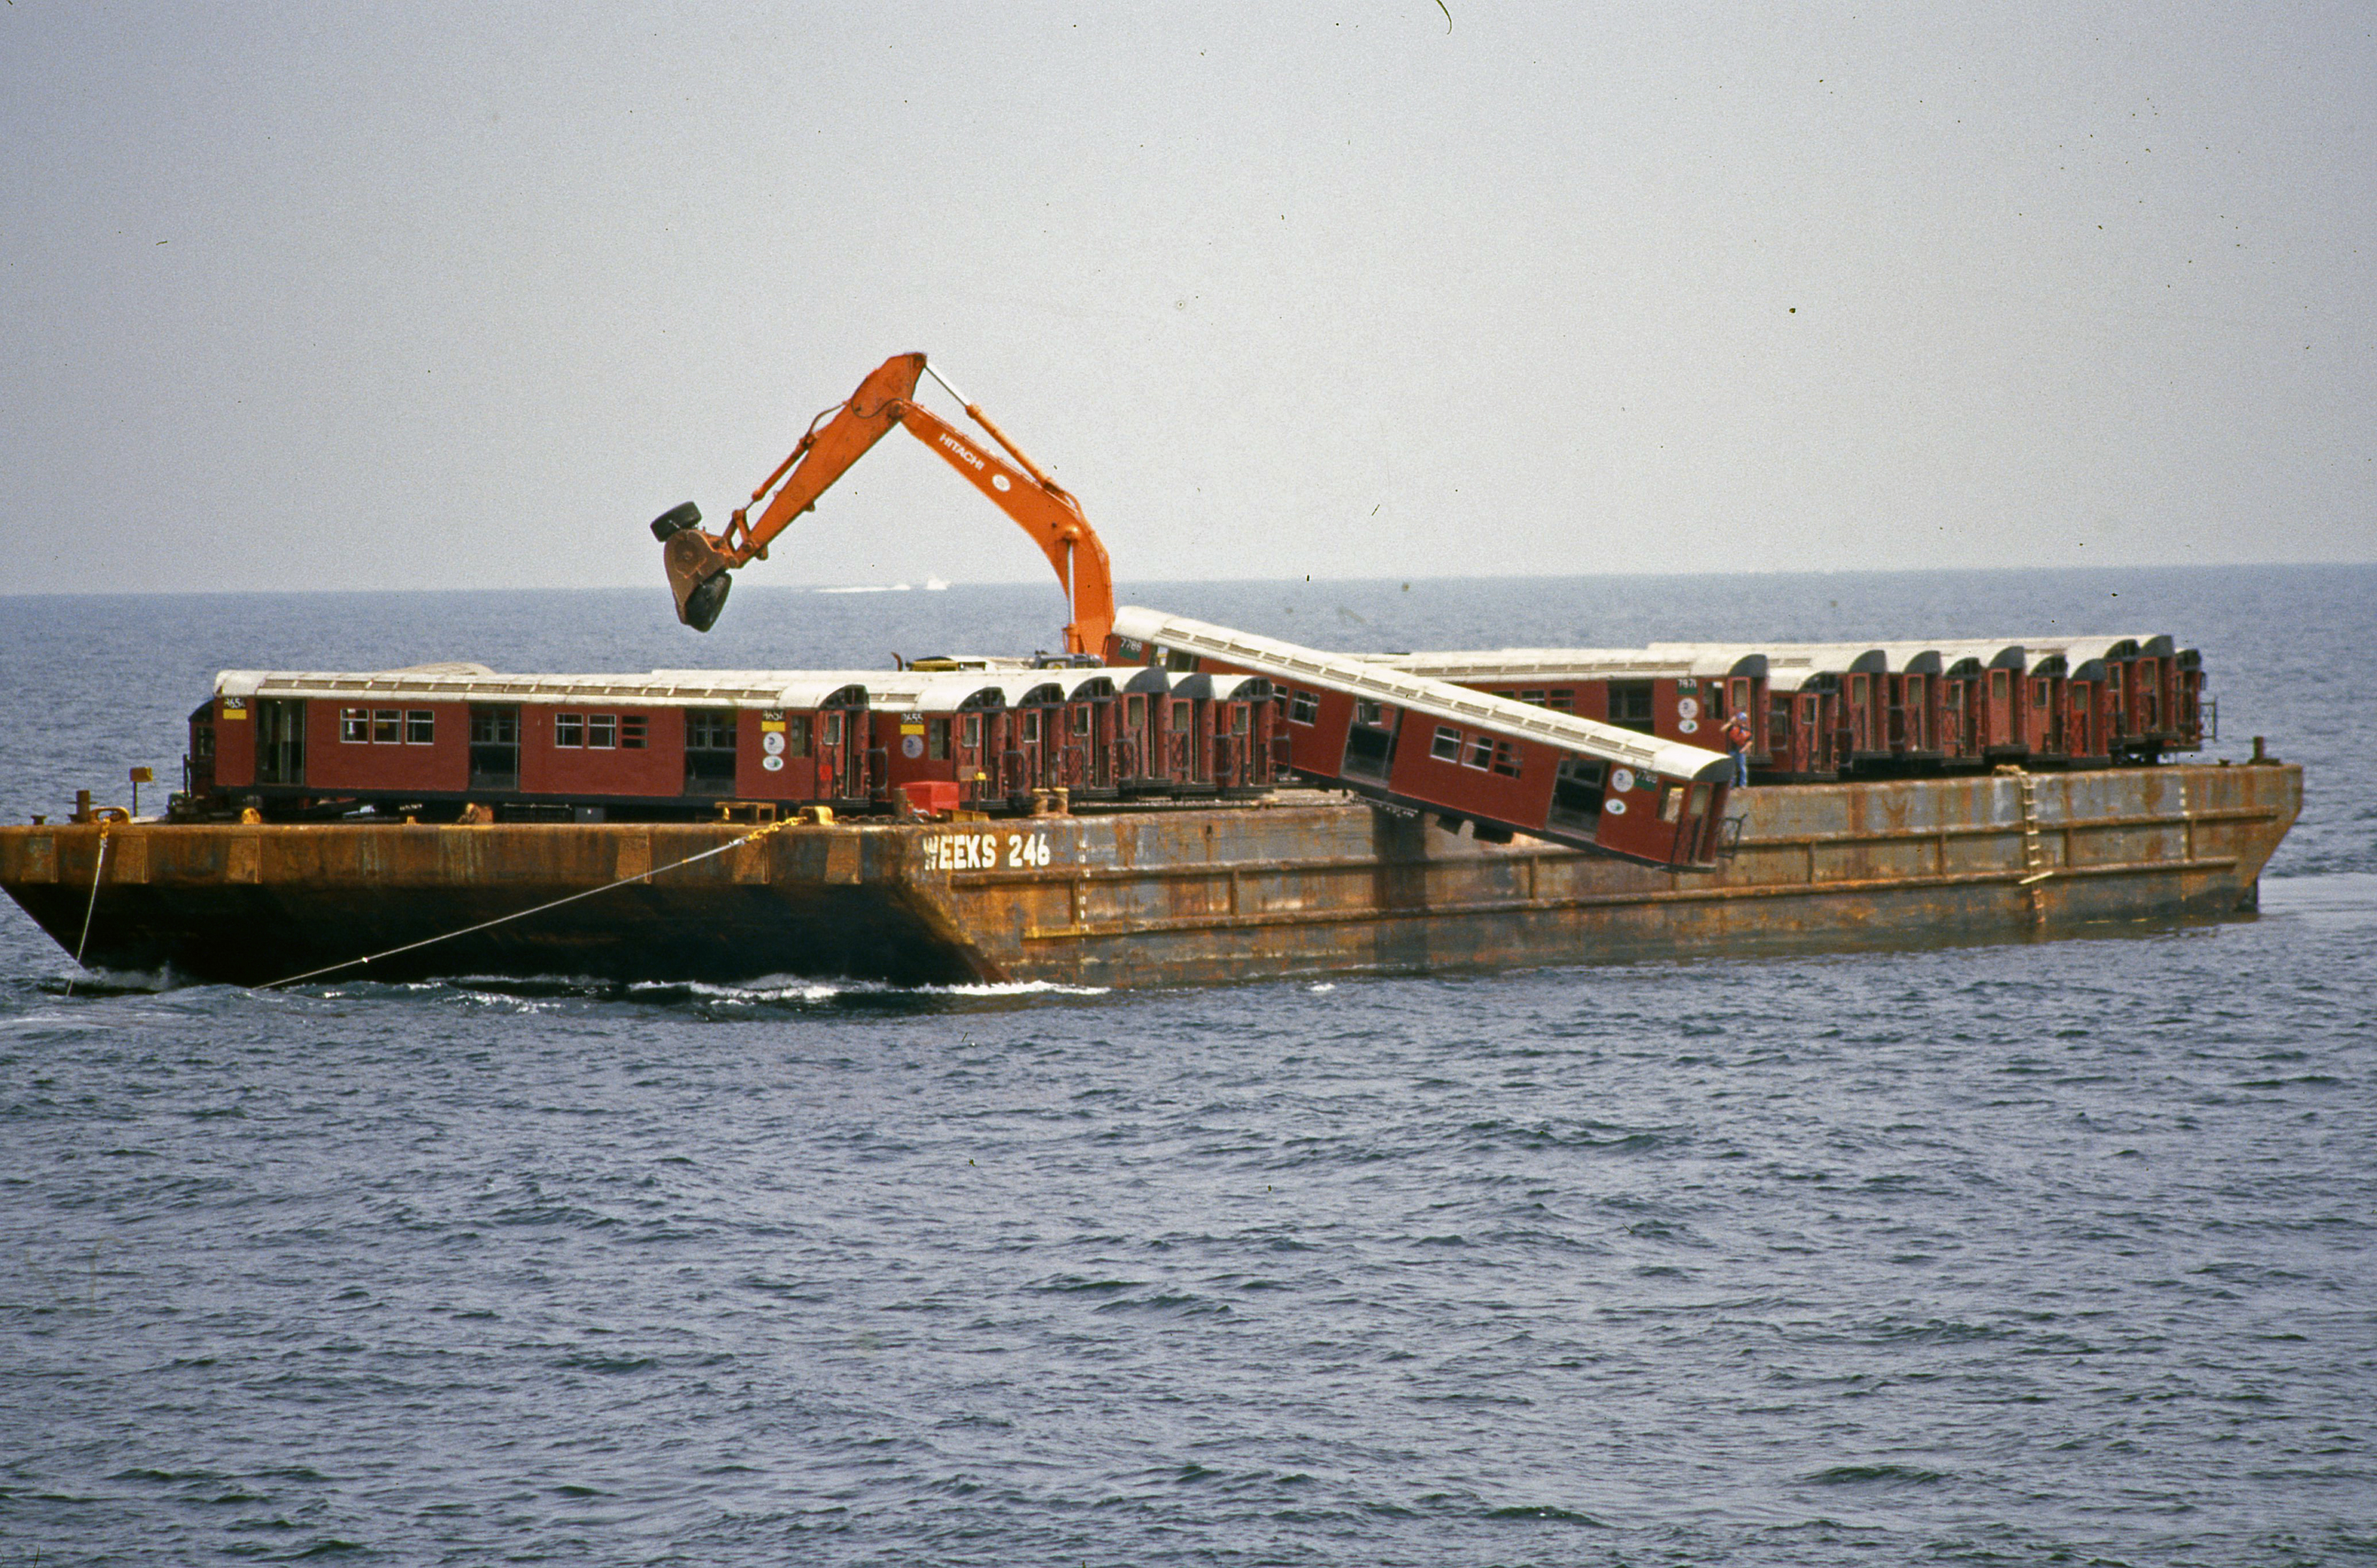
(2036, 867)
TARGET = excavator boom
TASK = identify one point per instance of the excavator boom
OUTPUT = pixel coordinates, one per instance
(699, 562)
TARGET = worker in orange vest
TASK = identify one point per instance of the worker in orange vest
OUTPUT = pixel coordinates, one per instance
(1736, 746)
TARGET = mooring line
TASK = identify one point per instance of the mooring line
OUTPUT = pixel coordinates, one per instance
(524, 914)
(97, 863)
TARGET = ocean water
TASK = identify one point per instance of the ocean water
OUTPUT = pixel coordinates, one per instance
(2062, 1251)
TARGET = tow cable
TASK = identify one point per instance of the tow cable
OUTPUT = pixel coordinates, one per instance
(524, 914)
(98, 863)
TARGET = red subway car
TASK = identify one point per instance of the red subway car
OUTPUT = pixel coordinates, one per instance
(430, 740)
(2132, 699)
(1424, 744)
(1677, 692)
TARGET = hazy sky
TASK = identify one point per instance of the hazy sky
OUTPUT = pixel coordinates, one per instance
(442, 296)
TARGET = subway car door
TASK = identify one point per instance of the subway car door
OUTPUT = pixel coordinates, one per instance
(1739, 699)
(966, 746)
(1180, 740)
(1370, 741)
(1032, 742)
(832, 763)
(1224, 748)
(1006, 760)
(1998, 711)
(1129, 736)
(495, 747)
(857, 746)
(279, 740)
(1082, 748)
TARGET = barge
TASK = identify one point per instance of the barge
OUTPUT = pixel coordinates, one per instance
(1164, 802)
(1299, 883)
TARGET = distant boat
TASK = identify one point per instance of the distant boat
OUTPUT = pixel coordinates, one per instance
(935, 585)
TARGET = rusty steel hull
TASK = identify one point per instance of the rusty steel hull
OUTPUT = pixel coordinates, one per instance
(1300, 884)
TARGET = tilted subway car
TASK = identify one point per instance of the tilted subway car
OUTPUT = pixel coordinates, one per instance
(1423, 745)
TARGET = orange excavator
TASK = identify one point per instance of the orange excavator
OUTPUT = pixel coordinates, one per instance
(699, 562)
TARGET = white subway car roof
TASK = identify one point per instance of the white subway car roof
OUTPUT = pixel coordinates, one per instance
(1287, 663)
(1538, 663)
(937, 691)
(1990, 652)
(2080, 650)
(906, 690)
(1020, 685)
(1786, 675)
(1833, 657)
(1664, 661)
(1223, 688)
(476, 683)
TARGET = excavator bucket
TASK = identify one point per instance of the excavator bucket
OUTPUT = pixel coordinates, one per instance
(699, 607)
(697, 567)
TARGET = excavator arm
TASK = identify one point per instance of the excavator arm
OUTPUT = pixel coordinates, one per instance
(699, 562)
